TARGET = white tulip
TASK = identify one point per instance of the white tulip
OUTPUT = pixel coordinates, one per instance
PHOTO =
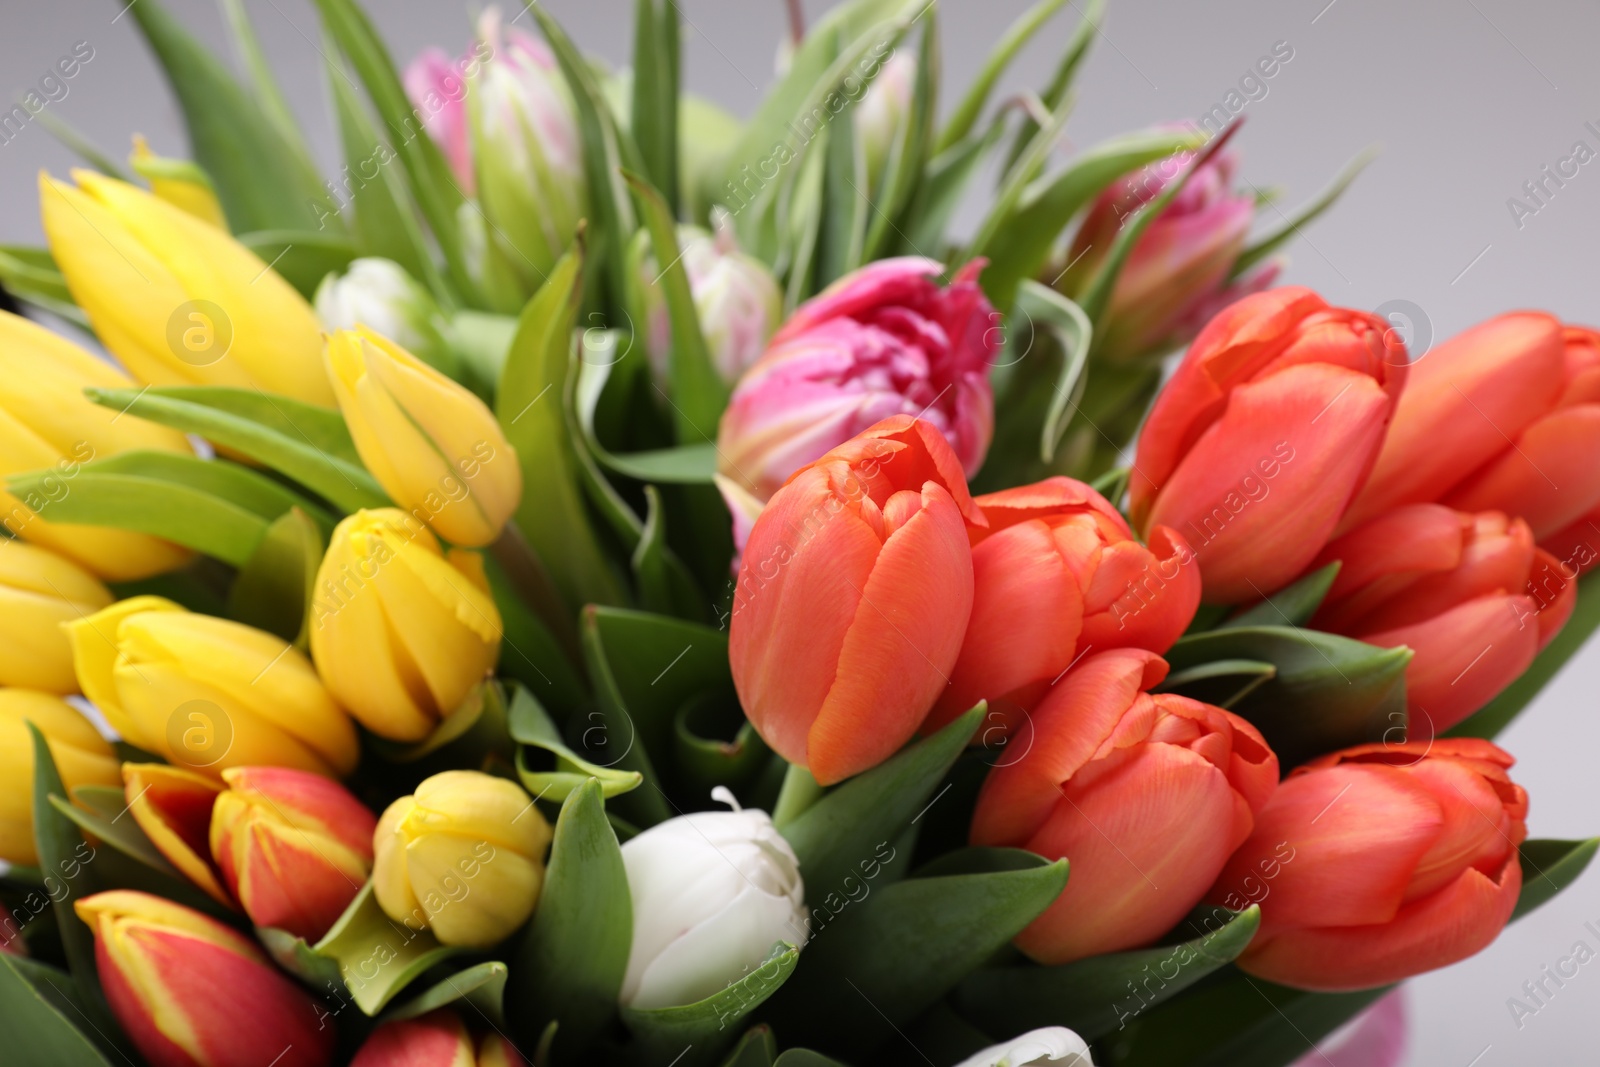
(712, 893)
(1053, 1044)
(379, 294)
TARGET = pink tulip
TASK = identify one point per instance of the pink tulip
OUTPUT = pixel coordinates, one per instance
(437, 87)
(1378, 1039)
(884, 340)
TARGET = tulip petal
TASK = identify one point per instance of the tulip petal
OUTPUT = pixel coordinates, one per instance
(1549, 478)
(173, 807)
(471, 909)
(436, 1039)
(1156, 591)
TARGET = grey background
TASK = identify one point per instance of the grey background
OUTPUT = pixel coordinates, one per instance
(1469, 98)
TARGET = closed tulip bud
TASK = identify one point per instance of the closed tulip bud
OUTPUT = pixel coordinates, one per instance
(1057, 574)
(81, 755)
(433, 446)
(853, 594)
(436, 1039)
(1176, 277)
(400, 631)
(883, 340)
(1382, 861)
(1036, 1048)
(1159, 790)
(736, 299)
(437, 87)
(463, 856)
(176, 299)
(179, 182)
(46, 423)
(380, 294)
(1502, 417)
(1269, 426)
(208, 693)
(712, 892)
(191, 992)
(39, 591)
(1470, 595)
(884, 110)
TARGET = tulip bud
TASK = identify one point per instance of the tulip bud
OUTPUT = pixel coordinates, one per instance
(1159, 790)
(1470, 595)
(1036, 1048)
(433, 446)
(173, 807)
(736, 299)
(1265, 432)
(177, 300)
(46, 423)
(190, 992)
(81, 755)
(294, 848)
(436, 1039)
(712, 893)
(883, 340)
(463, 857)
(1176, 277)
(378, 293)
(1382, 861)
(1503, 417)
(437, 88)
(883, 112)
(853, 594)
(38, 592)
(179, 182)
(400, 632)
(208, 693)
(1056, 575)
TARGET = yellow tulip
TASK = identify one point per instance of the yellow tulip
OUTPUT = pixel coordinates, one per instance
(178, 182)
(46, 423)
(177, 300)
(399, 631)
(433, 446)
(39, 591)
(208, 693)
(82, 757)
(463, 857)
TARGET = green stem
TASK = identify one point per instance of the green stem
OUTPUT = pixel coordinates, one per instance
(532, 583)
(798, 793)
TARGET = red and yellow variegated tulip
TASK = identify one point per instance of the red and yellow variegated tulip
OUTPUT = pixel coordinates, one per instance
(190, 992)
(1056, 575)
(1387, 861)
(173, 806)
(1470, 594)
(436, 1039)
(81, 756)
(1137, 790)
(853, 595)
(1264, 434)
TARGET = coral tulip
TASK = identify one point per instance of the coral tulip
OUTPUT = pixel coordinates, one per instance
(1386, 861)
(1056, 575)
(1469, 594)
(1146, 795)
(1505, 417)
(853, 595)
(81, 755)
(191, 992)
(436, 1039)
(1267, 429)
(883, 340)
(39, 591)
(1577, 546)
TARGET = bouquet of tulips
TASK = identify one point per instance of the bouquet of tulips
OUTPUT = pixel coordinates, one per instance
(597, 581)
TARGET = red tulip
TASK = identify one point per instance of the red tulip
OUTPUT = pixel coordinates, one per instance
(1056, 575)
(1265, 432)
(1382, 861)
(436, 1039)
(1471, 595)
(853, 594)
(1577, 546)
(1145, 794)
(190, 992)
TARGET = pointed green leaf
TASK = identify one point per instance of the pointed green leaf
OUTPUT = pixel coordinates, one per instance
(943, 185)
(758, 1048)
(653, 119)
(842, 238)
(531, 726)
(1289, 228)
(1226, 681)
(377, 956)
(79, 142)
(704, 756)
(276, 586)
(1548, 867)
(1072, 57)
(42, 1023)
(1291, 606)
(481, 987)
(1066, 323)
(268, 95)
(31, 274)
(1017, 35)
(909, 154)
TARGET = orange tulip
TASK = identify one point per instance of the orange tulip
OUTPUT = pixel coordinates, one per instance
(436, 1039)
(190, 992)
(853, 595)
(1577, 546)
(1056, 575)
(1382, 861)
(1503, 417)
(1145, 794)
(1471, 595)
(1264, 434)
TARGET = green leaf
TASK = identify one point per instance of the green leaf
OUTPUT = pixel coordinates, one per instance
(569, 963)
(653, 119)
(1072, 57)
(702, 755)
(262, 180)
(707, 1026)
(42, 1024)
(31, 274)
(481, 987)
(377, 956)
(1095, 996)
(1069, 326)
(79, 142)
(758, 1048)
(1018, 34)
(530, 726)
(843, 829)
(909, 154)
(1291, 606)
(302, 257)
(529, 652)
(895, 954)
(1289, 228)
(1327, 692)
(842, 237)
(309, 444)
(1244, 676)
(943, 184)
(267, 93)
(276, 586)
(1548, 867)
